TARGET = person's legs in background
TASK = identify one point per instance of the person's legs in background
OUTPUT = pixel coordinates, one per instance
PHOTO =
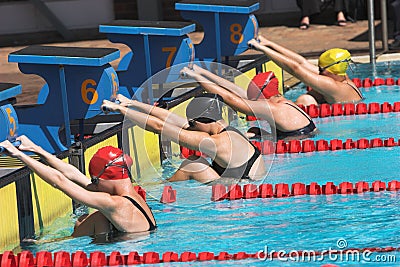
(340, 8)
(308, 8)
(395, 4)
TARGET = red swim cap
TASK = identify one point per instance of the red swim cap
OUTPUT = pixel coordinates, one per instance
(258, 82)
(110, 163)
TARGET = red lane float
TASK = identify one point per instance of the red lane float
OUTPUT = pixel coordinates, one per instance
(232, 192)
(98, 258)
(368, 82)
(307, 145)
(168, 195)
(329, 110)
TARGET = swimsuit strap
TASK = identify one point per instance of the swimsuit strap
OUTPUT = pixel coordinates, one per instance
(233, 129)
(249, 162)
(300, 110)
(152, 226)
(355, 89)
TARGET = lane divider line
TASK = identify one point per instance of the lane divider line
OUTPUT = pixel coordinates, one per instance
(267, 147)
(115, 258)
(232, 192)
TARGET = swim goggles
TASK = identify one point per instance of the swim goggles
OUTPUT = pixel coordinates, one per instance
(267, 81)
(95, 179)
(322, 69)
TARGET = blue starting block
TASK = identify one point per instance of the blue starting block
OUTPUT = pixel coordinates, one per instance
(78, 79)
(8, 116)
(155, 46)
(227, 24)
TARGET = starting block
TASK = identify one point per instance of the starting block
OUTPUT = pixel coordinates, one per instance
(8, 116)
(228, 25)
(155, 46)
(77, 80)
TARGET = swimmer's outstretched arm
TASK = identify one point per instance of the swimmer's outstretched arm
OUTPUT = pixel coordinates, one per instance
(68, 170)
(220, 81)
(179, 135)
(288, 53)
(161, 113)
(248, 107)
(320, 83)
(52, 176)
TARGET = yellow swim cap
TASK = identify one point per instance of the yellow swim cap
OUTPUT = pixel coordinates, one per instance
(335, 60)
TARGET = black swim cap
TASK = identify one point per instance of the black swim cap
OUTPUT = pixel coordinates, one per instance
(205, 108)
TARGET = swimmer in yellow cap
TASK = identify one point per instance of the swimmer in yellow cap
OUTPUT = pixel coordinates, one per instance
(118, 207)
(329, 81)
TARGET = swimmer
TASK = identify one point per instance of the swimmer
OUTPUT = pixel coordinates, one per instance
(262, 100)
(203, 130)
(119, 208)
(329, 81)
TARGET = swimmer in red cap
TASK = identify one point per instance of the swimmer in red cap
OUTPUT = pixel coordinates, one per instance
(119, 208)
(262, 100)
(329, 81)
(203, 130)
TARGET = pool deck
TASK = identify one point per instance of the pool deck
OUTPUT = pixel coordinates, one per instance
(310, 43)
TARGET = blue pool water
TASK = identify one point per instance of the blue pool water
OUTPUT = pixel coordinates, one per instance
(196, 224)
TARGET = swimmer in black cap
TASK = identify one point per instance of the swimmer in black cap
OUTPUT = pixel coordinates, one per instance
(204, 130)
(262, 100)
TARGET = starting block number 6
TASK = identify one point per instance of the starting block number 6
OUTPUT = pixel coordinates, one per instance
(236, 33)
(87, 90)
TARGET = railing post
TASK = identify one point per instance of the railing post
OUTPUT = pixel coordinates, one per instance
(371, 34)
(384, 24)
(76, 158)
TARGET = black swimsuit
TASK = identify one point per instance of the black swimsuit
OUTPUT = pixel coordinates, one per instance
(152, 226)
(237, 172)
(303, 131)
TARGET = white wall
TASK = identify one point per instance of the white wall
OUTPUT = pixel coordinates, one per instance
(23, 17)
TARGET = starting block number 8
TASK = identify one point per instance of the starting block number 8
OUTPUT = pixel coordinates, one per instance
(236, 33)
(9, 119)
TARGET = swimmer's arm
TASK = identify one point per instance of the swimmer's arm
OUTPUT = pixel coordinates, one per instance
(287, 64)
(322, 84)
(97, 200)
(228, 85)
(234, 101)
(289, 53)
(161, 113)
(68, 170)
(48, 174)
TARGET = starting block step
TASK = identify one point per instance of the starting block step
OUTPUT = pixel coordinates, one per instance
(154, 45)
(77, 80)
(228, 25)
(9, 90)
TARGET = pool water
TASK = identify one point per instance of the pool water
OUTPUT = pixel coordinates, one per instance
(194, 223)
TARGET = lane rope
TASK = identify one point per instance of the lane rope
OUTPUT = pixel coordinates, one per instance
(249, 191)
(115, 258)
(267, 147)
